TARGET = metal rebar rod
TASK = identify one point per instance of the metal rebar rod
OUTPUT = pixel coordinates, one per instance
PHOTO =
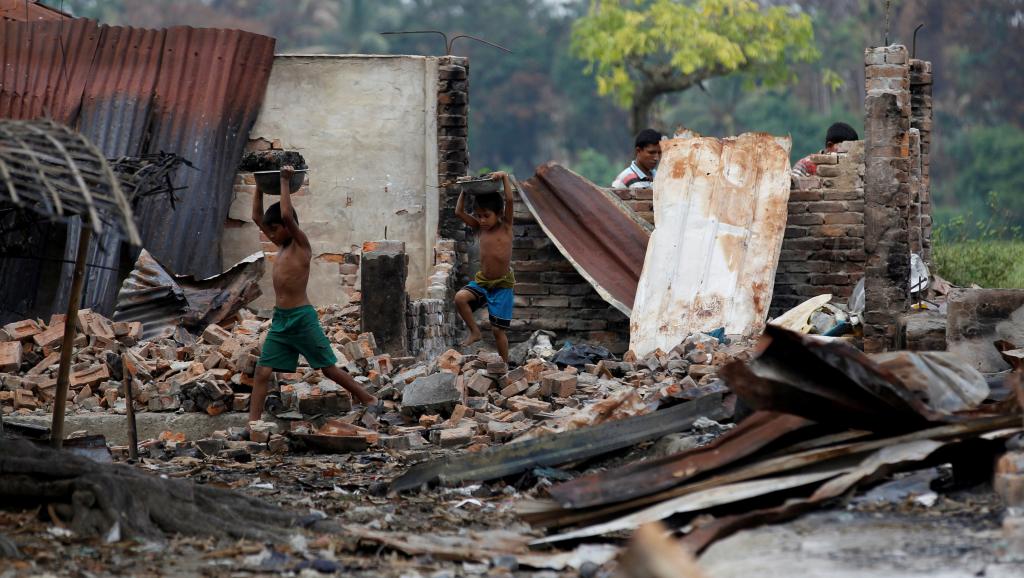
(68, 344)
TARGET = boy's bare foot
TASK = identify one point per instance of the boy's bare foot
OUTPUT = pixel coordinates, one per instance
(471, 339)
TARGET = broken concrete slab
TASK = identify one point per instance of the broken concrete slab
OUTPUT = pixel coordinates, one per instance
(115, 427)
(977, 318)
(432, 394)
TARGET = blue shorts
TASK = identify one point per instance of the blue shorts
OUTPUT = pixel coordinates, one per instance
(498, 302)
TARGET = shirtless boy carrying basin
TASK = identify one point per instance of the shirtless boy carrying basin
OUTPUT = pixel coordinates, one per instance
(492, 286)
(295, 328)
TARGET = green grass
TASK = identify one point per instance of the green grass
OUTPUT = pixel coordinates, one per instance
(989, 263)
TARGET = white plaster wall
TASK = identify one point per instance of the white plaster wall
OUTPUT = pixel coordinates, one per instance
(367, 127)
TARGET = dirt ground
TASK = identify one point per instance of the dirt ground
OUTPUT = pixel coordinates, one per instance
(958, 536)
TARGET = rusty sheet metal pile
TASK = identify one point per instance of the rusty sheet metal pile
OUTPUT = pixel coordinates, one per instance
(828, 420)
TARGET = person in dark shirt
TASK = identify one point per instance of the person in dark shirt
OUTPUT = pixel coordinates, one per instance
(837, 133)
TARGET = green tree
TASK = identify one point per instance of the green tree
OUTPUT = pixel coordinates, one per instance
(641, 50)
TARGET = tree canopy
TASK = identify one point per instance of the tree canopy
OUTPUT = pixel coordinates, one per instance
(641, 50)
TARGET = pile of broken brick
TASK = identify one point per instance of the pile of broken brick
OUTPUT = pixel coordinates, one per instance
(453, 401)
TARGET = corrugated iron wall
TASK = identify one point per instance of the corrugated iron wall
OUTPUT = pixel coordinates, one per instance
(193, 92)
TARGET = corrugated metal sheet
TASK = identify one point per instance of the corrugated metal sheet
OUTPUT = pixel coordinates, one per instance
(28, 10)
(720, 209)
(193, 92)
(115, 114)
(602, 238)
(209, 92)
(162, 302)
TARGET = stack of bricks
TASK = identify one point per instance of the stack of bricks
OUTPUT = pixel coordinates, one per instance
(640, 200)
(552, 296)
(453, 146)
(887, 194)
(823, 248)
(921, 119)
(433, 321)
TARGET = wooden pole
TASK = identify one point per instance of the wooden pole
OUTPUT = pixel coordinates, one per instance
(128, 371)
(68, 344)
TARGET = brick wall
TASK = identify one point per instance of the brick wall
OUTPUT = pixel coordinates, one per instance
(453, 149)
(887, 194)
(433, 322)
(640, 200)
(551, 295)
(823, 248)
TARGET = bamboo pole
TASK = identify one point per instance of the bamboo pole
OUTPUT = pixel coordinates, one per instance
(68, 344)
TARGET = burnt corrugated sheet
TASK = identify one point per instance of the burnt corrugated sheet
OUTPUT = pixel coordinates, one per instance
(28, 10)
(592, 229)
(210, 89)
(115, 115)
(192, 92)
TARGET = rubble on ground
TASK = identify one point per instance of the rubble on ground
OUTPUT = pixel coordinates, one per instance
(454, 401)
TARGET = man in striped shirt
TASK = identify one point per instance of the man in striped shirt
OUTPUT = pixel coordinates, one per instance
(640, 173)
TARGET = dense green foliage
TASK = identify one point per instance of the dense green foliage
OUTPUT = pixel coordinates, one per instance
(988, 251)
(986, 263)
(540, 104)
(640, 51)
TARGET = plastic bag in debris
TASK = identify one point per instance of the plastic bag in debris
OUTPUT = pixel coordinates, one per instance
(580, 355)
(942, 380)
(856, 305)
(919, 274)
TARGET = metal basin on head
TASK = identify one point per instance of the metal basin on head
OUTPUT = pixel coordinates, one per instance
(270, 181)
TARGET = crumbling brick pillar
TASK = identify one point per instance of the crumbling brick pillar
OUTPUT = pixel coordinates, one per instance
(823, 249)
(921, 119)
(385, 267)
(887, 194)
(453, 145)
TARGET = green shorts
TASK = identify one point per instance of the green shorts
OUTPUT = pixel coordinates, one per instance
(295, 332)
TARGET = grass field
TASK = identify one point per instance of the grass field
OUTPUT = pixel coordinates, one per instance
(989, 263)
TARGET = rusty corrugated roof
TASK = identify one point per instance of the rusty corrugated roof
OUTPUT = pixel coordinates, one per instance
(720, 213)
(193, 92)
(602, 238)
(28, 10)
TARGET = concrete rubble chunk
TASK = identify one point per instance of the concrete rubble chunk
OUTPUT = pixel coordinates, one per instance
(431, 394)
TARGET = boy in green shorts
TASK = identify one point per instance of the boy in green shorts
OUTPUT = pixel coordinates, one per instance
(295, 328)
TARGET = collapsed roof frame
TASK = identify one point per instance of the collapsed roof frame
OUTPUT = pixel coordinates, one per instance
(56, 172)
(51, 170)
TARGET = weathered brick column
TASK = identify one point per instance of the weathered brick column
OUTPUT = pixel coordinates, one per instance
(887, 194)
(453, 146)
(921, 119)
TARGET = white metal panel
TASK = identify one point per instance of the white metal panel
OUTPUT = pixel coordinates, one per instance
(720, 210)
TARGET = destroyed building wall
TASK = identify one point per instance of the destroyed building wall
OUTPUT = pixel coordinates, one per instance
(552, 296)
(823, 250)
(367, 127)
(640, 200)
(887, 194)
(432, 321)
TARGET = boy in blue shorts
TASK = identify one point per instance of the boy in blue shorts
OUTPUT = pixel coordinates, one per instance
(295, 328)
(492, 286)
